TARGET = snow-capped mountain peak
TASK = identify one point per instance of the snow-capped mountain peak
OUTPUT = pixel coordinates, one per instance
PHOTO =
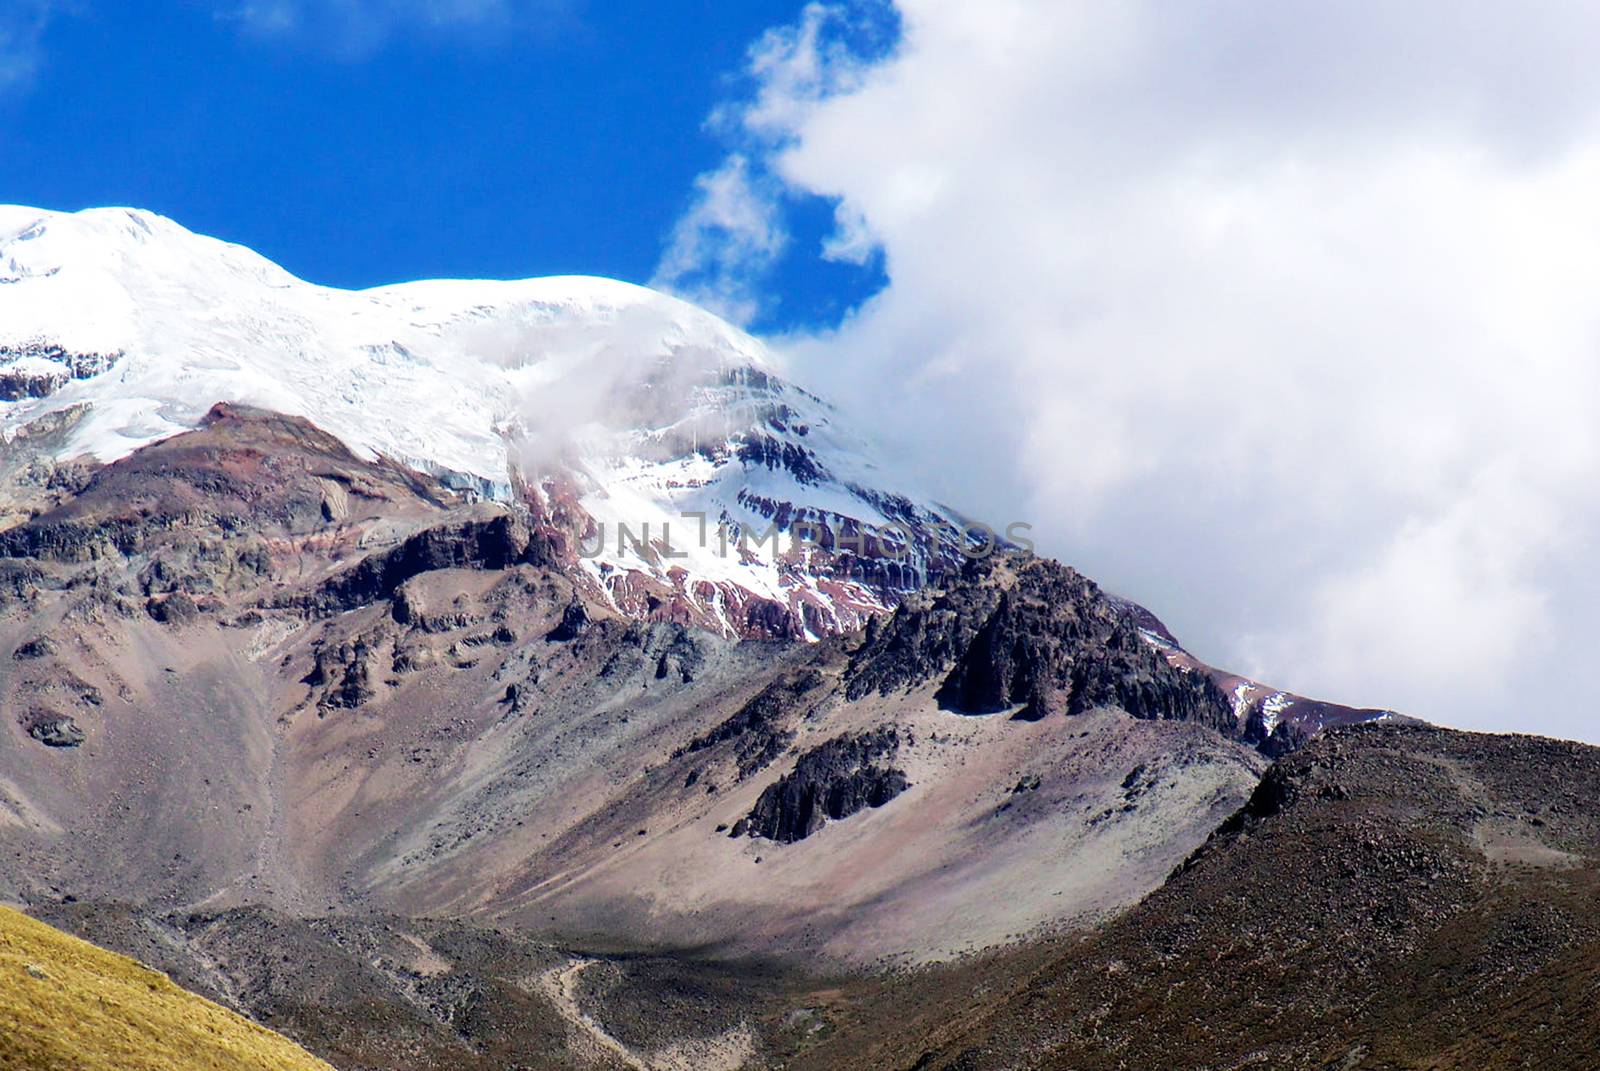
(668, 430)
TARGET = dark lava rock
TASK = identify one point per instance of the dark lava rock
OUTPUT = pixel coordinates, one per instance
(49, 540)
(521, 696)
(756, 449)
(60, 367)
(346, 674)
(574, 620)
(20, 582)
(834, 780)
(1045, 641)
(41, 647)
(758, 727)
(676, 652)
(54, 730)
(496, 543)
(175, 609)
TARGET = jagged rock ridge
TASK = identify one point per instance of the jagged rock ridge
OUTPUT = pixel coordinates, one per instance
(834, 780)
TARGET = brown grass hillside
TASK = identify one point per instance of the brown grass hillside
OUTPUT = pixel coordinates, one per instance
(67, 1005)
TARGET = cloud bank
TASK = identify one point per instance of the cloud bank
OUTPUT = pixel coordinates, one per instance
(1279, 318)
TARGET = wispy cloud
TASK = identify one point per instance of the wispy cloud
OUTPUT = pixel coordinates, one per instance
(1276, 316)
(732, 234)
(793, 68)
(724, 244)
(22, 27)
(359, 27)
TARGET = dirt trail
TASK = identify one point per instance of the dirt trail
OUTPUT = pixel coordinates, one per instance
(1503, 842)
(730, 1051)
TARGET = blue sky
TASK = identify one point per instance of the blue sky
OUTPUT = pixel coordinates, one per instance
(361, 142)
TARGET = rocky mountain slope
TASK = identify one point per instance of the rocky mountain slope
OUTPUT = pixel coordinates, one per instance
(265, 699)
(1391, 897)
(248, 667)
(334, 683)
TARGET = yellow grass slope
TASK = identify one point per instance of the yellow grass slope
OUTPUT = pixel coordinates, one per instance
(67, 1005)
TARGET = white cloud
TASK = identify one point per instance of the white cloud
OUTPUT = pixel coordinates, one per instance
(1278, 317)
(732, 232)
(796, 67)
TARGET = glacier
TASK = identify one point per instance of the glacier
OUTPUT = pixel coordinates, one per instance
(652, 414)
